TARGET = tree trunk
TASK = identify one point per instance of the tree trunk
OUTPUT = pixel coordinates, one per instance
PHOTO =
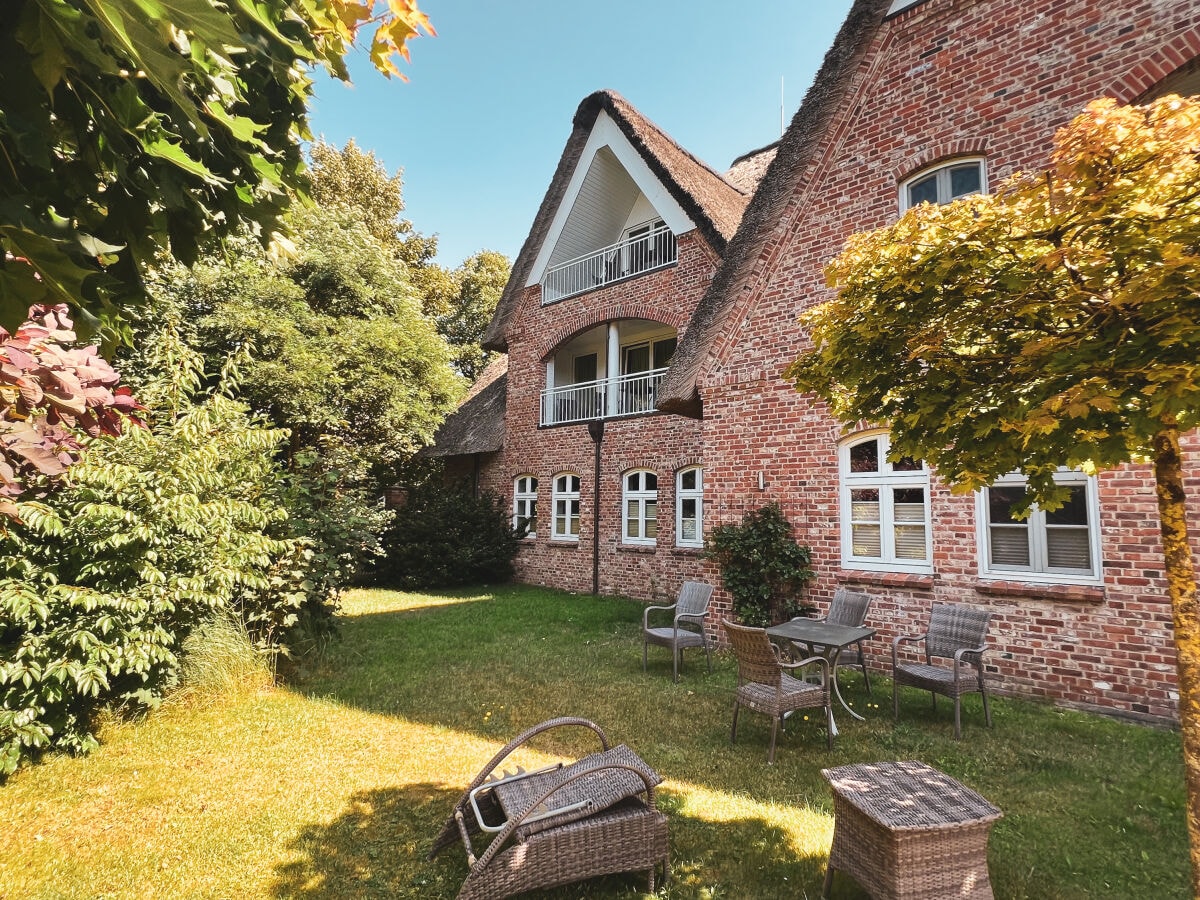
(1181, 588)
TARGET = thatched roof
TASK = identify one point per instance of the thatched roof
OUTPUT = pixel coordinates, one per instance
(795, 152)
(748, 169)
(477, 426)
(712, 202)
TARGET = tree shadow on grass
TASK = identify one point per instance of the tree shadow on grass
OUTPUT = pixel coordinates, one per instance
(378, 847)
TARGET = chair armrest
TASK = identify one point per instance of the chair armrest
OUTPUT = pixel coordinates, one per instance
(821, 662)
(698, 618)
(903, 639)
(647, 610)
(960, 653)
(516, 821)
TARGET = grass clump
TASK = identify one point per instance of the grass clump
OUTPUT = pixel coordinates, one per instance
(335, 787)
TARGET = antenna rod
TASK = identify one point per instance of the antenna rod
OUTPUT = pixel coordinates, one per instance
(781, 113)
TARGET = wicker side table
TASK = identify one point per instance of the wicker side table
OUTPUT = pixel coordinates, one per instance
(906, 831)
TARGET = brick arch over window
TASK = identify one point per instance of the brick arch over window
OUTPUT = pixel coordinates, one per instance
(1168, 59)
(584, 319)
(946, 152)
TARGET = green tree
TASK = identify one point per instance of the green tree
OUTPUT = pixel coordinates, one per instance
(1053, 323)
(477, 286)
(133, 126)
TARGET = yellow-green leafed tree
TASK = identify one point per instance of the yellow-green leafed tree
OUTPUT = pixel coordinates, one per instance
(1053, 323)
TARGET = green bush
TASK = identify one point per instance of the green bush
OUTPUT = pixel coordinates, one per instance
(762, 566)
(445, 536)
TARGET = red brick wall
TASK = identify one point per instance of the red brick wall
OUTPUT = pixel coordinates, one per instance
(945, 78)
(658, 442)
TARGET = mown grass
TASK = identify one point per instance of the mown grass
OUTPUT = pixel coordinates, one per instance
(334, 787)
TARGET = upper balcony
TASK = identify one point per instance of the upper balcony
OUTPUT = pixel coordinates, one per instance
(644, 249)
(608, 371)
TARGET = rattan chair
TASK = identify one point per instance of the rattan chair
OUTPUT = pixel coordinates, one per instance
(765, 685)
(957, 633)
(686, 629)
(558, 825)
(847, 608)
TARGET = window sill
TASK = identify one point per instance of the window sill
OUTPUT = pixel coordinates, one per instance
(648, 549)
(1077, 593)
(888, 579)
(687, 551)
(562, 544)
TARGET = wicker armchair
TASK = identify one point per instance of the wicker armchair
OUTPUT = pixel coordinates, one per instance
(560, 824)
(848, 608)
(957, 633)
(765, 686)
(686, 629)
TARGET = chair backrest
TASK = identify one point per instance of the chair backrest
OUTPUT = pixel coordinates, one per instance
(756, 657)
(953, 626)
(693, 598)
(849, 608)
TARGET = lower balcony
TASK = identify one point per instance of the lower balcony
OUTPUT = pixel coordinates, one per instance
(605, 398)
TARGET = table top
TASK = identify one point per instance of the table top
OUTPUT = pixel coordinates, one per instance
(814, 631)
(909, 795)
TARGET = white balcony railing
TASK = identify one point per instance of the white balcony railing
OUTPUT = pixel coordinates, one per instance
(602, 399)
(648, 251)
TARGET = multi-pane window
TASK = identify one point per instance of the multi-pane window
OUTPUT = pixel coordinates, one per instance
(564, 524)
(525, 505)
(885, 508)
(943, 184)
(689, 507)
(640, 502)
(1047, 545)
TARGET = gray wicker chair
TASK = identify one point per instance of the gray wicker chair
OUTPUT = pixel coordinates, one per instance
(687, 626)
(957, 633)
(765, 685)
(558, 825)
(848, 608)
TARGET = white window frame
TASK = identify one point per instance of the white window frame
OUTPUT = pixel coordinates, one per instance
(564, 490)
(885, 480)
(942, 170)
(682, 494)
(639, 497)
(1038, 571)
(525, 488)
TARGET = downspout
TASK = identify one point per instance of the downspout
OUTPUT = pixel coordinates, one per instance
(596, 431)
(475, 475)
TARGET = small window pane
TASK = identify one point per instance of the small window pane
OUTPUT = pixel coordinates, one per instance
(651, 481)
(864, 505)
(585, 368)
(965, 180)
(910, 541)
(1068, 548)
(663, 351)
(1073, 512)
(907, 464)
(637, 359)
(864, 457)
(574, 484)
(634, 481)
(908, 505)
(923, 191)
(866, 541)
(688, 529)
(1001, 501)
(687, 480)
(1010, 545)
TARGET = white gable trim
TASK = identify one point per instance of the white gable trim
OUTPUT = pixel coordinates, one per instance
(606, 133)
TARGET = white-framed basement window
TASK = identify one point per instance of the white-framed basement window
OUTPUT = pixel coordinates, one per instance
(564, 497)
(885, 523)
(1056, 547)
(640, 503)
(689, 507)
(525, 505)
(944, 182)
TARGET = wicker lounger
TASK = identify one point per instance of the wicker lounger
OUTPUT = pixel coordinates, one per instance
(906, 831)
(561, 824)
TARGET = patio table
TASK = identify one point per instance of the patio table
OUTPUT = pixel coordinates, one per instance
(835, 639)
(906, 831)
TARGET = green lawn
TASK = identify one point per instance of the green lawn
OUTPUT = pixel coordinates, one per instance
(335, 786)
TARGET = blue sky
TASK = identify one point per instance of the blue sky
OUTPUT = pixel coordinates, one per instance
(482, 123)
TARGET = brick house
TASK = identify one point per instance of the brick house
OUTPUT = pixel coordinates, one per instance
(660, 298)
